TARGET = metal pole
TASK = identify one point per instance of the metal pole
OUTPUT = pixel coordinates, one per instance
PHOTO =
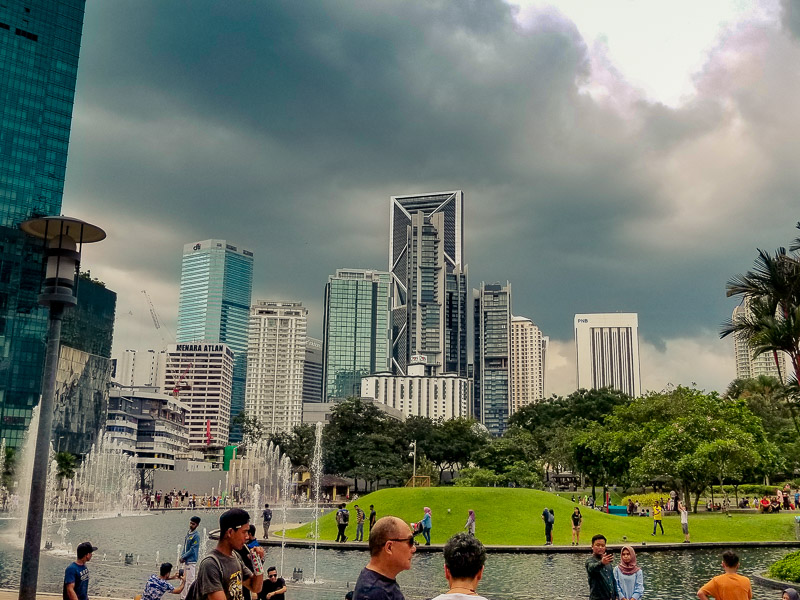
(33, 530)
(414, 473)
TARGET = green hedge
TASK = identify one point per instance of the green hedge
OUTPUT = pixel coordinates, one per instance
(787, 568)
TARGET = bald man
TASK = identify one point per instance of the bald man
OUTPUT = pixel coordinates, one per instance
(391, 546)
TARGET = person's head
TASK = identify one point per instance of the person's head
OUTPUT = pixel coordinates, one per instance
(266, 506)
(464, 556)
(251, 532)
(730, 559)
(85, 550)
(194, 522)
(272, 574)
(427, 510)
(166, 569)
(371, 506)
(790, 594)
(551, 511)
(391, 544)
(234, 526)
(349, 595)
(342, 505)
(598, 544)
(576, 510)
(628, 555)
(355, 506)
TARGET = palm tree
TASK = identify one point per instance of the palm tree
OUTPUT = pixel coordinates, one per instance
(65, 466)
(771, 292)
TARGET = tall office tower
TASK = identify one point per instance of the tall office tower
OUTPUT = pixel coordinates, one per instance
(214, 305)
(312, 371)
(492, 377)
(607, 346)
(201, 376)
(39, 45)
(748, 366)
(276, 352)
(429, 282)
(528, 363)
(356, 335)
(141, 369)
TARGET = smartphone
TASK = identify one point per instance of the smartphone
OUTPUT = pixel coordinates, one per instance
(180, 572)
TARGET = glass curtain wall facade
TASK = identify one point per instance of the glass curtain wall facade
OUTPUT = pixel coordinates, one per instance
(214, 305)
(429, 282)
(356, 340)
(492, 377)
(39, 47)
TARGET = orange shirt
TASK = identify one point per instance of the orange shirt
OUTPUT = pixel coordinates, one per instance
(729, 586)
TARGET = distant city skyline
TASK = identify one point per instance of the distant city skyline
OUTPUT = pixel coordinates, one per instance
(599, 157)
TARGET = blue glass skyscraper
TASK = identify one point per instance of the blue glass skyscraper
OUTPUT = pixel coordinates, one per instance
(39, 46)
(214, 304)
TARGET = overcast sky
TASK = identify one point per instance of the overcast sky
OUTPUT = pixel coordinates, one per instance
(618, 156)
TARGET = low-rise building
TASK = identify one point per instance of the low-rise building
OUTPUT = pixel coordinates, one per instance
(150, 424)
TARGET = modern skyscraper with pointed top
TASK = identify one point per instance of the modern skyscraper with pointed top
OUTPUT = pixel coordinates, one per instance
(429, 280)
(214, 304)
(40, 41)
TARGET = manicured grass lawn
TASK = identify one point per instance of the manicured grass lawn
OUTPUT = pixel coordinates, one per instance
(512, 517)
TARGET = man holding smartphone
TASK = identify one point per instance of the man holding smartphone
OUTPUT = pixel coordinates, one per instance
(600, 571)
(157, 585)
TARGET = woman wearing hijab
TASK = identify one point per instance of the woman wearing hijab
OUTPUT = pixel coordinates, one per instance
(628, 576)
(790, 594)
(426, 526)
(470, 526)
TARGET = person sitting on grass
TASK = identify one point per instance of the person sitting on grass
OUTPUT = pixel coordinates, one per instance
(764, 504)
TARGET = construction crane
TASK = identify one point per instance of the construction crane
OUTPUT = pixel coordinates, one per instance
(153, 313)
(180, 384)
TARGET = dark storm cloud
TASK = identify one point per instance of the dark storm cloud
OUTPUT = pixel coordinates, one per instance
(286, 126)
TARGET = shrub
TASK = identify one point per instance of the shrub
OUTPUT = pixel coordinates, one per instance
(646, 499)
(787, 568)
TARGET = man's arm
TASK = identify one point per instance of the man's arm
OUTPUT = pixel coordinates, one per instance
(195, 542)
(278, 591)
(179, 589)
(707, 590)
(254, 583)
(71, 591)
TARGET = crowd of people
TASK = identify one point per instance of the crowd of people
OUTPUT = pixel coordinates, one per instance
(234, 570)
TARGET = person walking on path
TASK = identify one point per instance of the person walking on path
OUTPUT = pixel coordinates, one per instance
(222, 575)
(342, 520)
(549, 518)
(372, 516)
(191, 551)
(600, 572)
(427, 524)
(158, 585)
(628, 576)
(266, 514)
(360, 516)
(730, 585)
(657, 510)
(76, 576)
(470, 526)
(577, 520)
(684, 521)
(464, 559)
(391, 546)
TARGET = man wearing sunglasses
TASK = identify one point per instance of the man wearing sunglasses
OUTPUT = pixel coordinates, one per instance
(274, 586)
(391, 545)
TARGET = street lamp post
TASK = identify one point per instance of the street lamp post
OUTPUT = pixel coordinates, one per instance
(413, 447)
(63, 238)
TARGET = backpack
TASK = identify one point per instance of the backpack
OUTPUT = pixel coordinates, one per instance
(191, 593)
(551, 518)
(345, 516)
(339, 517)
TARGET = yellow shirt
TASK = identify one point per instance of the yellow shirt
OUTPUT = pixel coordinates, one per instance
(657, 513)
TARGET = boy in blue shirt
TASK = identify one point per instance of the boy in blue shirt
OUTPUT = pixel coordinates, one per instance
(76, 576)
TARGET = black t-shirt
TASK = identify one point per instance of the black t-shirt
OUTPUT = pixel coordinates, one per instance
(374, 586)
(576, 519)
(267, 514)
(271, 587)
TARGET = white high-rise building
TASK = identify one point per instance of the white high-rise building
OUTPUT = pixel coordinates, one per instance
(747, 366)
(607, 346)
(528, 363)
(142, 369)
(201, 376)
(276, 351)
